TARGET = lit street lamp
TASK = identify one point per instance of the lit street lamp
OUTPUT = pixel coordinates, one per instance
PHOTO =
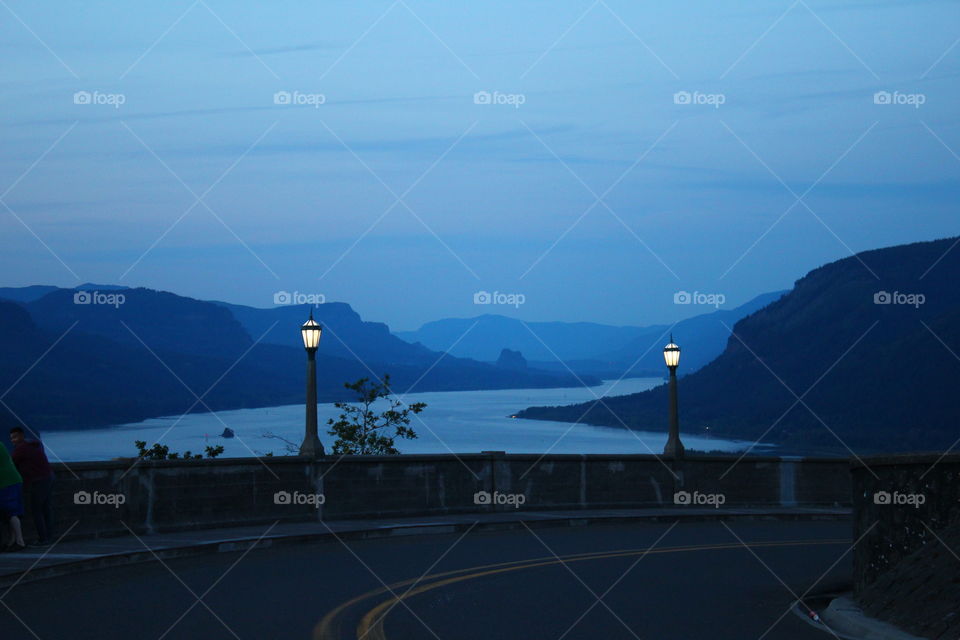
(310, 331)
(671, 355)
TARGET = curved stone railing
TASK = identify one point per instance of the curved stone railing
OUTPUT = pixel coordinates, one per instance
(105, 498)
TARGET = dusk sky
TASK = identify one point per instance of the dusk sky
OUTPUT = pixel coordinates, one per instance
(594, 157)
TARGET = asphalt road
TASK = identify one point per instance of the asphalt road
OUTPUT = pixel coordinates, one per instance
(712, 580)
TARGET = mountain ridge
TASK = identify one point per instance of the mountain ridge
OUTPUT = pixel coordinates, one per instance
(583, 346)
(843, 360)
(74, 359)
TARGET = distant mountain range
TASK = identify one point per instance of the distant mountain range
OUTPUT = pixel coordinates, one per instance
(863, 353)
(100, 354)
(584, 347)
(483, 337)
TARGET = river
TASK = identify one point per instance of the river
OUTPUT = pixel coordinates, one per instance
(454, 421)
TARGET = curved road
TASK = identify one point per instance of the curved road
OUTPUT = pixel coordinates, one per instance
(714, 580)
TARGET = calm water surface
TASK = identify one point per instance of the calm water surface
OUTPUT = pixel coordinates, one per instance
(454, 421)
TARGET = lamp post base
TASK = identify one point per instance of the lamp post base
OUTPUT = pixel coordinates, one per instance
(312, 447)
(674, 449)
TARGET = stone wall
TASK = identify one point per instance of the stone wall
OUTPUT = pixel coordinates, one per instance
(108, 498)
(900, 504)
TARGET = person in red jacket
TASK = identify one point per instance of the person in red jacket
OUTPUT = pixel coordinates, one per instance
(32, 463)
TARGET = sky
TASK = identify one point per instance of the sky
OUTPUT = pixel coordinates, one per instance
(577, 161)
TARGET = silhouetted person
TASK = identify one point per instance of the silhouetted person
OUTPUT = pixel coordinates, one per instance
(32, 463)
(11, 502)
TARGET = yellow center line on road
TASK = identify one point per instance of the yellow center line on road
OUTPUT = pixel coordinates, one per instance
(371, 625)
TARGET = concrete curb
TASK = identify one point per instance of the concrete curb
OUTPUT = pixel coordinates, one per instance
(844, 616)
(228, 545)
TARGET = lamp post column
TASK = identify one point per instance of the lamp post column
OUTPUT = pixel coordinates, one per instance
(674, 447)
(311, 440)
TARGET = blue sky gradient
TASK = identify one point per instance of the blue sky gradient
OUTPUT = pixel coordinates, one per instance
(495, 197)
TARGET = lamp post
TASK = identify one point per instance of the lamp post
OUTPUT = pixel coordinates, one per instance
(671, 355)
(310, 331)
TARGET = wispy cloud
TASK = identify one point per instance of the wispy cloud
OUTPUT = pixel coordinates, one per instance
(297, 48)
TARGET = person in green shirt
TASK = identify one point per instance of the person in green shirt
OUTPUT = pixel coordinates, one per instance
(11, 502)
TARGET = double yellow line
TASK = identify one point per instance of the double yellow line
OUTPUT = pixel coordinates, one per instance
(371, 624)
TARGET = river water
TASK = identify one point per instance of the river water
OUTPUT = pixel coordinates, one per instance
(454, 421)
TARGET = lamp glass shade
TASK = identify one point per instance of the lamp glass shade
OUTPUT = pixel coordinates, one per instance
(311, 331)
(671, 355)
